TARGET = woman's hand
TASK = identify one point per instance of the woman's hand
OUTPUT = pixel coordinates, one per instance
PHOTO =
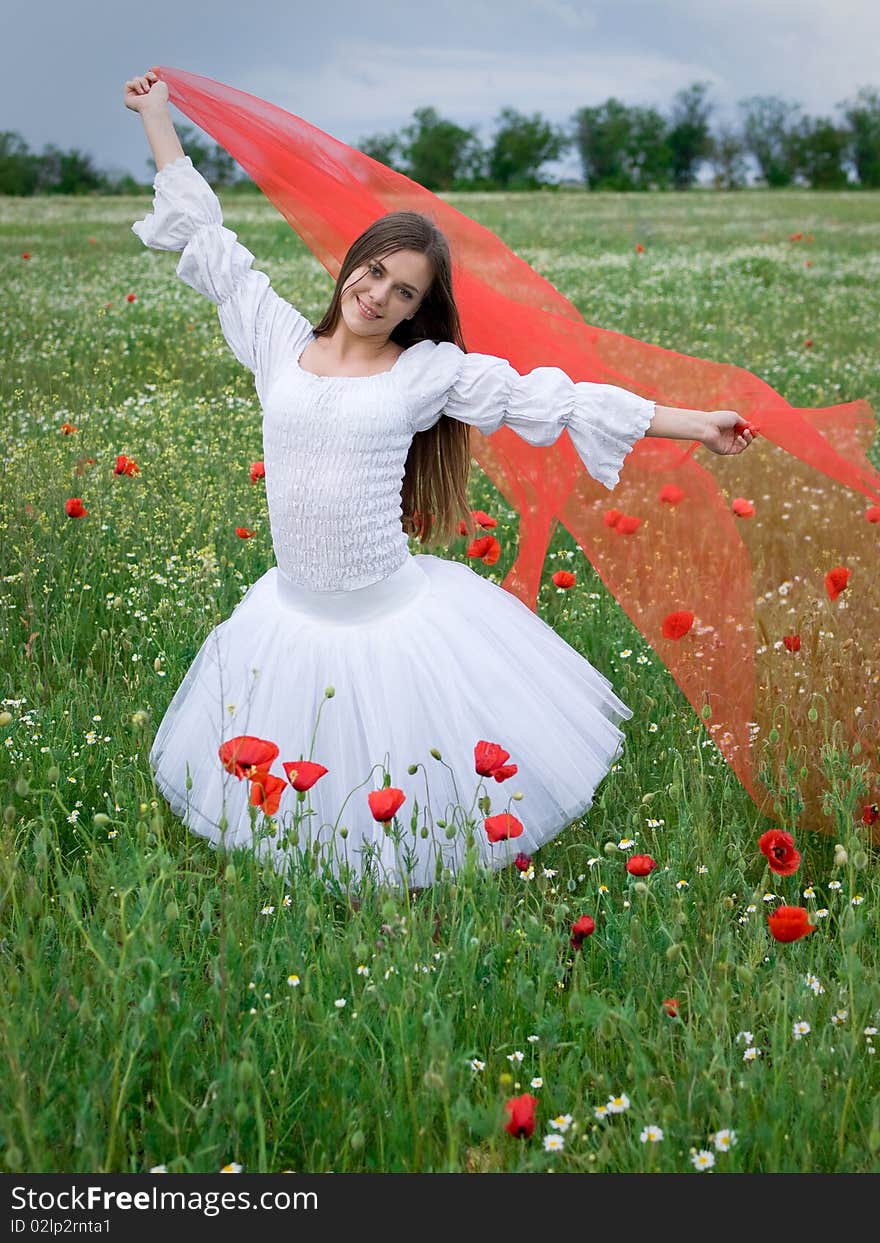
(149, 91)
(727, 432)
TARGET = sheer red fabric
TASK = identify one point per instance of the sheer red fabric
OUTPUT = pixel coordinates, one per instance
(781, 635)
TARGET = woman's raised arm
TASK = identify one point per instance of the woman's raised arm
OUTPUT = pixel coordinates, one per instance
(148, 95)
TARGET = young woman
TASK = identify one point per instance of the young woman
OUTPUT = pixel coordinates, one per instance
(457, 720)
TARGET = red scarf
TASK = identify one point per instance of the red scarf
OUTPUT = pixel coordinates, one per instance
(752, 583)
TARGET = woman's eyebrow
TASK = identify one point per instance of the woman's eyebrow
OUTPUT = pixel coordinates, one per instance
(380, 264)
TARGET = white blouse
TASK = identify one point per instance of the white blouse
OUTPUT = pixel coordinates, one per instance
(335, 446)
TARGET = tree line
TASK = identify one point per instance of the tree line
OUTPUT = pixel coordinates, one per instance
(618, 146)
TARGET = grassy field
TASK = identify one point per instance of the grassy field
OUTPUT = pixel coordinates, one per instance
(168, 1006)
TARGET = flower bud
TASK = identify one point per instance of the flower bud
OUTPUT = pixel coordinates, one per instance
(436, 754)
(413, 768)
(640, 887)
(673, 951)
(330, 692)
(22, 786)
(610, 848)
(841, 858)
(140, 718)
(5, 719)
(53, 774)
(100, 819)
(860, 860)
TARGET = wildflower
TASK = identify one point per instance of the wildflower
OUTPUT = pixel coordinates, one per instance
(741, 507)
(340, 1003)
(385, 803)
(564, 579)
(247, 754)
(490, 760)
(158, 1169)
(789, 923)
(745, 1037)
(626, 843)
(533, 1039)
(809, 892)
(869, 1031)
(724, 1140)
(293, 981)
(857, 900)
(521, 1115)
(515, 1056)
(751, 1054)
(770, 897)
(792, 642)
(601, 1112)
(640, 865)
(618, 1104)
(562, 1122)
(233, 1167)
(822, 912)
(582, 928)
(132, 297)
(553, 1143)
(836, 581)
(651, 1134)
(779, 849)
(486, 547)
(670, 1006)
(604, 889)
(245, 532)
(68, 429)
(266, 791)
(523, 862)
(676, 625)
(302, 774)
(835, 884)
(257, 471)
(476, 1064)
(267, 910)
(126, 466)
(813, 982)
(502, 826)
(682, 884)
(74, 507)
(537, 1082)
(703, 1160)
(800, 1028)
(839, 1017)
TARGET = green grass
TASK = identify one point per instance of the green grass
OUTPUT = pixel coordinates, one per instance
(148, 1017)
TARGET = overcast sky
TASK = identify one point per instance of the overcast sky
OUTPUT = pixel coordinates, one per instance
(354, 68)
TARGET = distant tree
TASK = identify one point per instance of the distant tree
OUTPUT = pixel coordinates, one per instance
(437, 151)
(689, 139)
(520, 146)
(820, 152)
(728, 160)
(769, 134)
(18, 170)
(622, 147)
(863, 147)
(382, 147)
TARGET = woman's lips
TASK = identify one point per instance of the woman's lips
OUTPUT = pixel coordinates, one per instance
(365, 311)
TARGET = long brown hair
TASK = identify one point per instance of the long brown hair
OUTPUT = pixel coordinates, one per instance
(435, 481)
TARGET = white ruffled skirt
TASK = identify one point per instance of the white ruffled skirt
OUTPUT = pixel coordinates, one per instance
(432, 657)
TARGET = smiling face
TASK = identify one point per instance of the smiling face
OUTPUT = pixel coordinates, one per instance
(384, 291)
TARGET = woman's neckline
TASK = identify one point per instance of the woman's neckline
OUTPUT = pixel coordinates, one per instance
(374, 375)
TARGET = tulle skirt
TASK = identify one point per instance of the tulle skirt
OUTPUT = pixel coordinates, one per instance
(429, 661)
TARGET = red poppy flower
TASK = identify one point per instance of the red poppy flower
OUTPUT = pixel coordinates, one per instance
(584, 926)
(640, 865)
(131, 297)
(68, 429)
(488, 757)
(808, 344)
(502, 826)
(741, 507)
(779, 849)
(521, 1115)
(93, 241)
(247, 754)
(302, 774)
(266, 790)
(670, 1006)
(611, 517)
(870, 813)
(677, 624)
(481, 518)
(126, 466)
(564, 578)
(258, 471)
(26, 254)
(792, 642)
(74, 507)
(626, 524)
(872, 513)
(244, 533)
(836, 581)
(808, 263)
(486, 547)
(671, 494)
(385, 803)
(790, 923)
(640, 248)
(795, 237)
(522, 861)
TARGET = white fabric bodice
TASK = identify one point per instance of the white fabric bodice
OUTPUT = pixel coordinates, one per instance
(335, 447)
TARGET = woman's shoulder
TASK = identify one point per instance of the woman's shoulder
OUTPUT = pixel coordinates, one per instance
(429, 365)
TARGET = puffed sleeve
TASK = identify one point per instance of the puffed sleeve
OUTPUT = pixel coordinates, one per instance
(603, 421)
(261, 328)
